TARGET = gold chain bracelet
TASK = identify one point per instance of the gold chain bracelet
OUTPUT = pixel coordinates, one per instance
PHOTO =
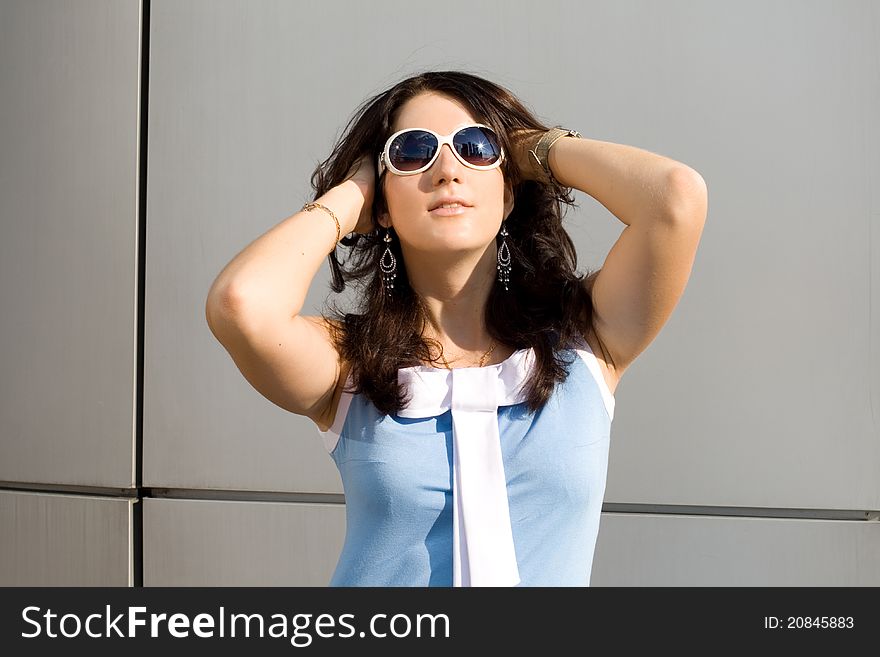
(308, 207)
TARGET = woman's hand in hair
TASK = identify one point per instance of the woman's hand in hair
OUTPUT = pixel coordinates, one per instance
(364, 176)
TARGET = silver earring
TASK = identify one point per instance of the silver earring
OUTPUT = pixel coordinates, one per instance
(504, 259)
(389, 269)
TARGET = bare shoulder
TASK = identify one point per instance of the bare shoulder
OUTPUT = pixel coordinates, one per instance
(325, 415)
(609, 371)
(329, 416)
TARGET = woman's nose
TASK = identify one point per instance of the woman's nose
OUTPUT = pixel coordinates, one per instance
(447, 165)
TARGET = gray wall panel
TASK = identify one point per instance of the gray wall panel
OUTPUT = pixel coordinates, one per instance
(636, 549)
(69, 79)
(212, 543)
(764, 388)
(65, 540)
(761, 391)
(221, 543)
(231, 142)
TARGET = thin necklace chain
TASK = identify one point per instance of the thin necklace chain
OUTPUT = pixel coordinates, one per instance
(482, 360)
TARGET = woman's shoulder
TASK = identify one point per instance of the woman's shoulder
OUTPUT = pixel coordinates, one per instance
(609, 373)
(327, 416)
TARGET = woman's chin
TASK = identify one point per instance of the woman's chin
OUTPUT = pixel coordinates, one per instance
(451, 244)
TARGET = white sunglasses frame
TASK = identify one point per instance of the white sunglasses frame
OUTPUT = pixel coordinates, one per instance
(384, 157)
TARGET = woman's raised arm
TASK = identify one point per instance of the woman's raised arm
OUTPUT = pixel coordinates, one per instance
(253, 307)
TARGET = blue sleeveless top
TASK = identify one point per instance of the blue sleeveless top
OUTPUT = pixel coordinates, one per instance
(466, 487)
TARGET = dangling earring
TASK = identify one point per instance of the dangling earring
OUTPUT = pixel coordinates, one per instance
(389, 270)
(504, 258)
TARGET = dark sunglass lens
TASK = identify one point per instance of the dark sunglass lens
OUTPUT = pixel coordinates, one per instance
(479, 146)
(412, 150)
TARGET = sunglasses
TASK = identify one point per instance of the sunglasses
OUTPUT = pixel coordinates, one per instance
(414, 150)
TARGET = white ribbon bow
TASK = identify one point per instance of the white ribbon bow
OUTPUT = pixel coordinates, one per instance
(482, 538)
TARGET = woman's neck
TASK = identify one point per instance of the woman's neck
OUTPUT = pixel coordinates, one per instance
(454, 295)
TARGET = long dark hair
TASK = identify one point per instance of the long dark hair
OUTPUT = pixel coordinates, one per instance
(547, 304)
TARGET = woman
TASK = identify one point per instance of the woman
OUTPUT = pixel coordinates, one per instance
(468, 402)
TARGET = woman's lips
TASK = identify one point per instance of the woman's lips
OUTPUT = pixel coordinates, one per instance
(448, 212)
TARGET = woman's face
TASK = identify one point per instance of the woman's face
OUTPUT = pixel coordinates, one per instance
(410, 198)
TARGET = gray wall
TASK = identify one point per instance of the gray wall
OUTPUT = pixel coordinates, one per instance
(745, 447)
